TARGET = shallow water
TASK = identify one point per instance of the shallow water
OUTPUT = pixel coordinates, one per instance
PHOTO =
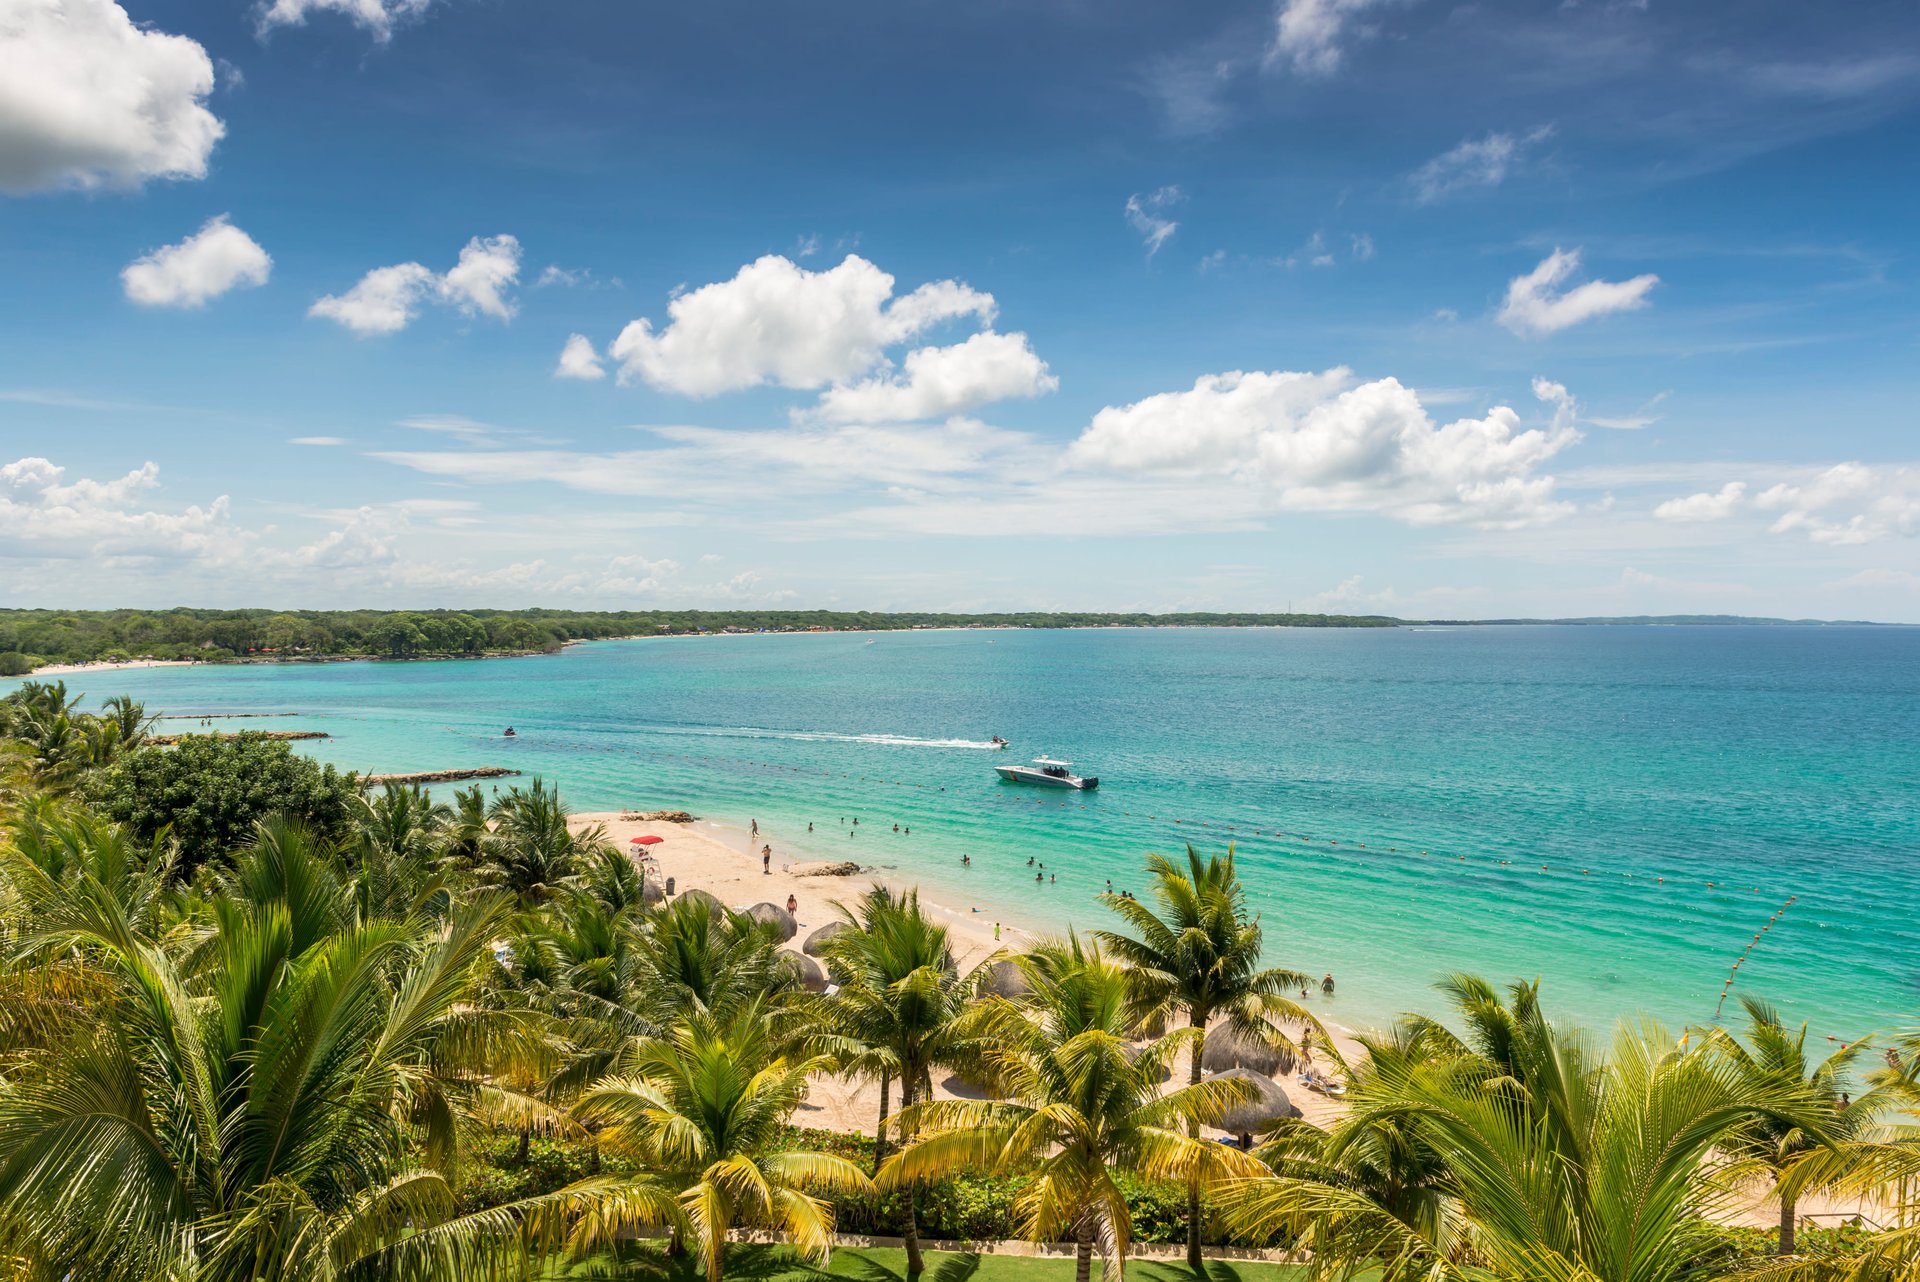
(1615, 810)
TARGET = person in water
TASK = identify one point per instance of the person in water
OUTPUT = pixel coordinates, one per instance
(1326, 985)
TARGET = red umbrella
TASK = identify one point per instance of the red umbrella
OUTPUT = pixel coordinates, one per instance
(647, 841)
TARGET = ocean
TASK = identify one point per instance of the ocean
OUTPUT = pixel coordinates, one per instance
(1617, 811)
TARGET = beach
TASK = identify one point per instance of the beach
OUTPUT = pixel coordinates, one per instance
(724, 861)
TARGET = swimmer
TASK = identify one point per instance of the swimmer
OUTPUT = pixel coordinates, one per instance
(1326, 985)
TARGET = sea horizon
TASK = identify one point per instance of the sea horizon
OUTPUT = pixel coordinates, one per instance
(1520, 801)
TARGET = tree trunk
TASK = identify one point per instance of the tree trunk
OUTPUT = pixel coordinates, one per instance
(911, 1235)
(526, 1139)
(880, 1131)
(1083, 1264)
(1788, 1214)
(1194, 1262)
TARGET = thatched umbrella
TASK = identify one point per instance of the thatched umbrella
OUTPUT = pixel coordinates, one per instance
(1003, 979)
(714, 907)
(776, 916)
(1268, 1105)
(1227, 1049)
(805, 970)
(816, 945)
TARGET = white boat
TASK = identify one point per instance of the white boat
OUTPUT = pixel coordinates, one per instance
(1048, 773)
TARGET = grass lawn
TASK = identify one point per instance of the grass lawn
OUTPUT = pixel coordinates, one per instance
(648, 1262)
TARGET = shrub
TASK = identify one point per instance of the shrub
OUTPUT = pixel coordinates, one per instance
(212, 791)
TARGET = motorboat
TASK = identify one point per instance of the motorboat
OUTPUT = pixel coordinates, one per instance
(1048, 773)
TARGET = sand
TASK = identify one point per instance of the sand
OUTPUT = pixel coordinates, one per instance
(725, 862)
(103, 665)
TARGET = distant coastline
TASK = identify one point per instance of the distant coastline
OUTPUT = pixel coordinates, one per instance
(69, 642)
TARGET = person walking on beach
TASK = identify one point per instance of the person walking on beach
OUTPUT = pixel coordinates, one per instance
(793, 904)
(996, 932)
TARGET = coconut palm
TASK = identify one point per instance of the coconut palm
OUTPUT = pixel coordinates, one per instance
(696, 957)
(1564, 1163)
(286, 1105)
(531, 851)
(702, 1110)
(1081, 1105)
(1199, 956)
(1772, 1052)
(897, 1014)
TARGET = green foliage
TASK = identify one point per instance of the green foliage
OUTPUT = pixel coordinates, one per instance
(14, 664)
(210, 792)
(81, 636)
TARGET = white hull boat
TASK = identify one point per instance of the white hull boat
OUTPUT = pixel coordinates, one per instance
(1047, 773)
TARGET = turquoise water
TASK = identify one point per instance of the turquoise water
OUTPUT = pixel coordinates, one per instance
(1450, 766)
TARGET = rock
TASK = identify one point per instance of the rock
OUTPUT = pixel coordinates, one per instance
(806, 971)
(826, 868)
(714, 906)
(657, 816)
(1003, 979)
(775, 915)
(817, 941)
(652, 891)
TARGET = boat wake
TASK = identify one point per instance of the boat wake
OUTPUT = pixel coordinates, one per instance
(821, 736)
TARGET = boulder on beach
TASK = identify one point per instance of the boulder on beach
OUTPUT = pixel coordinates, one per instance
(714, 906)
(657, 816)
(805, 971)
(826, 868)
(775, 915)
(816, 945)
(652, 890)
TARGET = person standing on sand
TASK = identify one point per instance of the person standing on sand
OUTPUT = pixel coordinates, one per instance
(766, 861)
(996, 932)
(793, 904)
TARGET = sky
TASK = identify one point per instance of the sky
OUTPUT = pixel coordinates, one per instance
(1511, 308)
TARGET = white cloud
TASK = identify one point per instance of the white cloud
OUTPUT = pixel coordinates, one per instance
(777, 323)
(317, 440)
(1474, 162)
(1147, 215)
(1311, 34)
(378, 17)
(387, 299)
(1535, 304)
(1716, 506)
(205, 265)
(42, 516)
(939, 381)
(1322, 442)
(1847, 504)
(579, 360)
(88, 99)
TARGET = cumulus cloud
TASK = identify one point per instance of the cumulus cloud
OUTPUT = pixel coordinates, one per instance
(1325, 442)
(379, 17)
(778, 323)
(1474, 162)
(579, 360)
(1147, 215)
(1847, 504)
(205, 265)
(1311, 35)
(1536, 304)
(387, 299)
(44, 515)
(88, 99)
(939, 381)
(1715, 506)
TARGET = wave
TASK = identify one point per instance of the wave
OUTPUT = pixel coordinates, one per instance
(820, 736)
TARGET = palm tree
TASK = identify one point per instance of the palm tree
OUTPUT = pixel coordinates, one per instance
(1563, 1162)
(1081, 1105)
(284, 1102)
(898, 1011)
(1199, 955)
(696, 957)
(702, 1109)
(531, 851)
(1773, 1053)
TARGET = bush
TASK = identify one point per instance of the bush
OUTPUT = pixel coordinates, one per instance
(212, 791)
(14, 664)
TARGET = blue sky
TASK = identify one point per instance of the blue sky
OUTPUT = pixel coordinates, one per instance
(1376, 305)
